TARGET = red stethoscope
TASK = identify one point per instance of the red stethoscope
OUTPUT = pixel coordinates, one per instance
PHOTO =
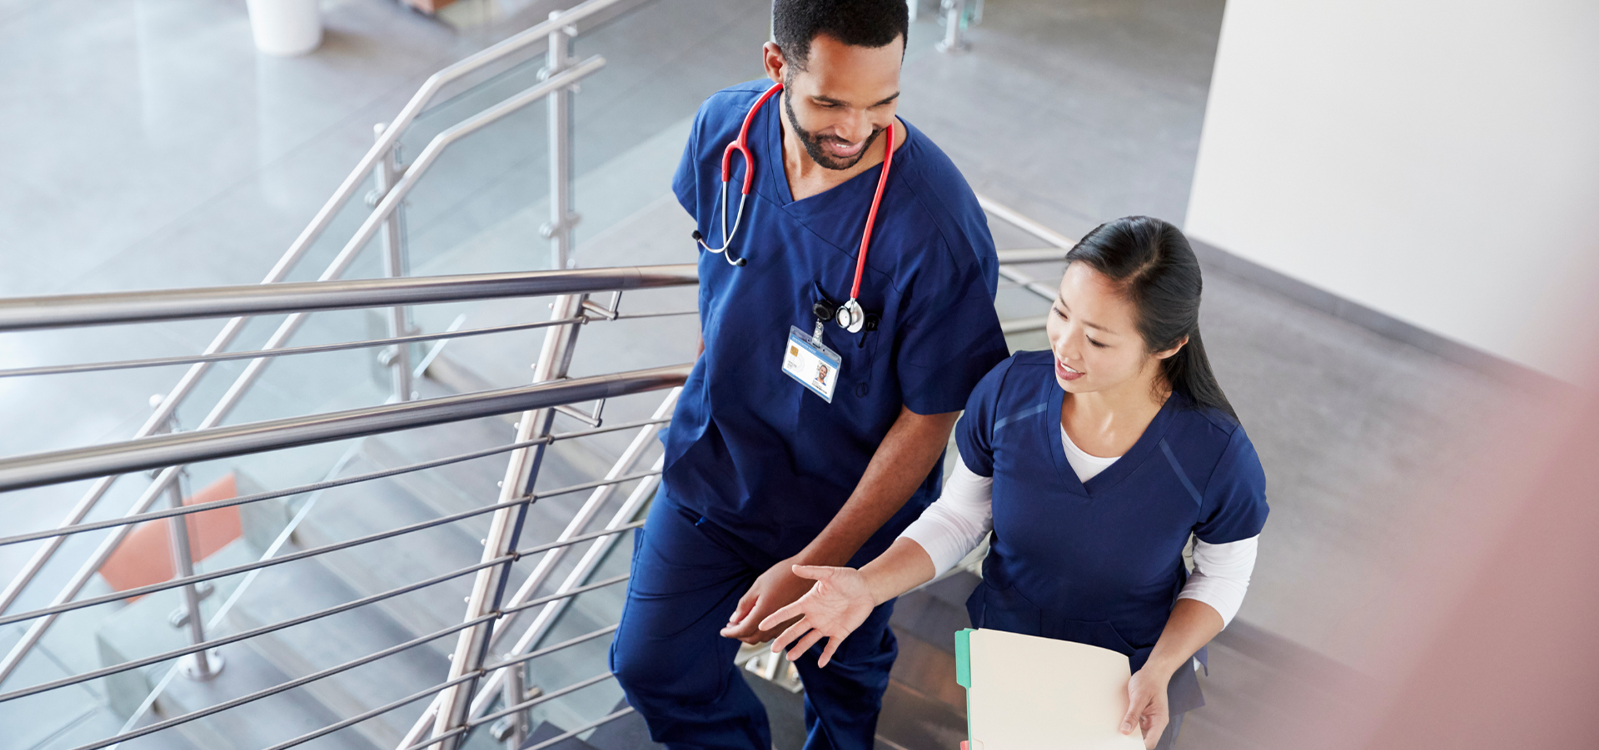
(850, 315)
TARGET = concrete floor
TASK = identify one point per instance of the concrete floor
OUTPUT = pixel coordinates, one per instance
(162, 152)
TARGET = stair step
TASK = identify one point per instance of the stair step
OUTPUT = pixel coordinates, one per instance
(379, 505)
(785, 712)
(265, 721)
(546, 731)
(299, 588)
(627, 733)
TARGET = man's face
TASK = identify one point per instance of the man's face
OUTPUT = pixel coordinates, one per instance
(843, 98)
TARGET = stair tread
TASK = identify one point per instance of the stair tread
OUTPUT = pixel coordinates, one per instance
(299, 588)
(276, 718)
(380, 505)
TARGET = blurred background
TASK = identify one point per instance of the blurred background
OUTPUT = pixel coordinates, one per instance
(1394, 204)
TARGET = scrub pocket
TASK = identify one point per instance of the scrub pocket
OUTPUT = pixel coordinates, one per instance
(1003, 609)
(1092, 632)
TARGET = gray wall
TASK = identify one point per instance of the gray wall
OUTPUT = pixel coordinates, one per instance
(1433, 160)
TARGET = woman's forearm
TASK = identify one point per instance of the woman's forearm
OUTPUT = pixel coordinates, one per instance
(902, 567)
(1191, 625)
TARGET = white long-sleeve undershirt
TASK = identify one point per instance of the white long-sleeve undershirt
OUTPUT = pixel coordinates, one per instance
(959, 520)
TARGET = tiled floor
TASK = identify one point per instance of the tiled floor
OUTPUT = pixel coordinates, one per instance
(156, 149)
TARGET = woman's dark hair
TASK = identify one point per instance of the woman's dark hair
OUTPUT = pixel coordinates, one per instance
(1156, 269)
(858, 23)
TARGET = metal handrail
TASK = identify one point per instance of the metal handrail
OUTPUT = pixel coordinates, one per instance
(278, 688)
(211, 575)
(444, 336)
(1030, 255)
(211, 505)
(109, 308)
(224, 442)
(231, 330)
(391, 133)
(310, 617)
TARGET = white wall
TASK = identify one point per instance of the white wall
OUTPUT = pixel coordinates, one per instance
(1437, 160)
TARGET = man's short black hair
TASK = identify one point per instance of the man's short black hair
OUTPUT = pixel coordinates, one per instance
(858, 23)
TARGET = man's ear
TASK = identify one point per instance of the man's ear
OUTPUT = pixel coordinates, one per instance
(772, 59)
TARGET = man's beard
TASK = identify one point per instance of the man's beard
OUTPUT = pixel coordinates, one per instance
(813, 143)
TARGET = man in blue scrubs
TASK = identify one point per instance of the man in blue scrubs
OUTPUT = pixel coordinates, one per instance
(786, 449)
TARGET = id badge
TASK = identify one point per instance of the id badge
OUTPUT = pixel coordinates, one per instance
(811, 363)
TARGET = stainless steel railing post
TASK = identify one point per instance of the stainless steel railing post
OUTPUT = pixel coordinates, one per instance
(398, 357)
(200, 665)
(488, 591)
(515, 692)
(954, 11)
(562, 218)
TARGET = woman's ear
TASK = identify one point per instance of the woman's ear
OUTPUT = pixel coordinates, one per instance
(1166, 354)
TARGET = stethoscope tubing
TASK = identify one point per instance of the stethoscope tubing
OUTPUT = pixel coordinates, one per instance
(850, 315)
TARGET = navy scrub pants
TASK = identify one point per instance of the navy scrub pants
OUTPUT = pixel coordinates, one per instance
(677, 670)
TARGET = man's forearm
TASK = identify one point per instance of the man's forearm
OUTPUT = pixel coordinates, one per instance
(902, 462)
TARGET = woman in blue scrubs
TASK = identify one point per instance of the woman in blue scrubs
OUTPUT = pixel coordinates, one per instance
(1092, 463)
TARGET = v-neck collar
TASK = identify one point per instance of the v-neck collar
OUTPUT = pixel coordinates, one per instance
(1114, 473)
(778, 174)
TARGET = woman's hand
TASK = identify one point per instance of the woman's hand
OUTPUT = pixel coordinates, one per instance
(833, 608)
(1147, 708)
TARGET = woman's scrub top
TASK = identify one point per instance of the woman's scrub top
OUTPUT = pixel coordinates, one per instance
(1099, 563)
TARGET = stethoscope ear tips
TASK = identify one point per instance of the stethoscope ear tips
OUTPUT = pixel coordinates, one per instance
(739, 263)
(697, 236)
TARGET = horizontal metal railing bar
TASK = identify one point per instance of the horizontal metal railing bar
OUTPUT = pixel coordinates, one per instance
(619, 426)
(442, 736)
(218, 642)
(391, 134)
(527, 704)
(1030, 255)
(107, 308)
(531, 655)
(247, 634)
(1034, 228)
(591, 485)
(531, 603)
(586, 637)
(258, 564)
(556, 740)
(1043, 291)
(641, 316)
(317, 486)
(1023, 325)
(283, 686)
(592, 535)
(224, 442)
(379, 711)
(133, 364)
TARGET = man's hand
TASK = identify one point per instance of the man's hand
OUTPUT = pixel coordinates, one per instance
(778, 587)
(1147, 708)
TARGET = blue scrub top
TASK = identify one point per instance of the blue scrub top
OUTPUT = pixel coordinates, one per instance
(1099, 563)
(752, 449)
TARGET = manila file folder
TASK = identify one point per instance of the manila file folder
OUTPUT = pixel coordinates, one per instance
(1029, 693)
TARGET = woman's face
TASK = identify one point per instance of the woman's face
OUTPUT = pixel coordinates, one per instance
(1094, 334)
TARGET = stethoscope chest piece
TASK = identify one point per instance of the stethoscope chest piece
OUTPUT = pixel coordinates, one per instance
(851, 317)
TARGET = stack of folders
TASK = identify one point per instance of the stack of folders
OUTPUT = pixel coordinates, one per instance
(1030, 693)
